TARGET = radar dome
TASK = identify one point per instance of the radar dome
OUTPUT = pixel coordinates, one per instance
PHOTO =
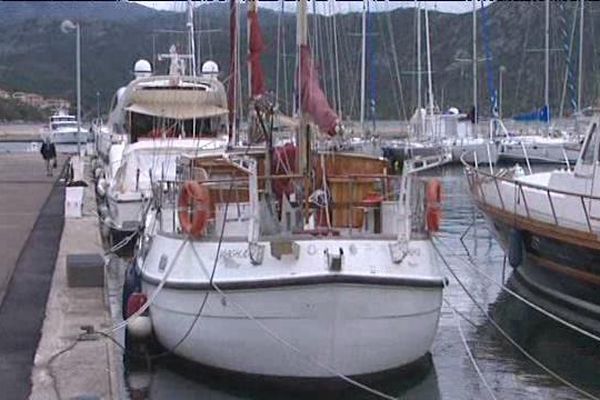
(453, 111)
(142, 68)
(210, 68)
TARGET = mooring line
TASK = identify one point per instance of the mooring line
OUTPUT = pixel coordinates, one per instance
(468, 350)
(556, 318)
(507, 336)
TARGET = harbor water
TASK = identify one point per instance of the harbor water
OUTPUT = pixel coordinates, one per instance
(448, 373)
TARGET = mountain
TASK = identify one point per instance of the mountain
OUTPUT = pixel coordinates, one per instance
(36, 56)
(16, 12)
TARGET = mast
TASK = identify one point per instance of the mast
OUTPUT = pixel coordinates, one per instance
(363, 65)
(252, 7)
(580, 72)
(429, 81)
(302, 139)
(232, 89)
(475, 108)
(547, 65)
(192, 44)
(419, 101)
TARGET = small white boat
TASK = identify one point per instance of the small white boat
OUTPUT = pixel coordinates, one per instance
(276, 296)
(63, 129)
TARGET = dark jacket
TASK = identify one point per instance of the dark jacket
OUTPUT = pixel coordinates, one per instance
(48, 151)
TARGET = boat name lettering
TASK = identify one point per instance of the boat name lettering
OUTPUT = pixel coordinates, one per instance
(234, 253)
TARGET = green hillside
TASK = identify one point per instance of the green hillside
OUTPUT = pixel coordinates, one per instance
(35, 56)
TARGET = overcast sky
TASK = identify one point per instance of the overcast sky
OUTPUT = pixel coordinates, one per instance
(336, 5)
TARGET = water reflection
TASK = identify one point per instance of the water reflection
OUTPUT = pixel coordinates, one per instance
(568, 353)
(175, 378)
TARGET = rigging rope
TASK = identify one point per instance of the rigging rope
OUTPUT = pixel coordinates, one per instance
(468, 350)
(489, 63)
(569, 79)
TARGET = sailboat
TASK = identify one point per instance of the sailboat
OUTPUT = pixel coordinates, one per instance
(547, 148)
(288, 261)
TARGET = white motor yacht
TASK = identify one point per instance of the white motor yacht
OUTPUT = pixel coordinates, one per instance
(63, 129)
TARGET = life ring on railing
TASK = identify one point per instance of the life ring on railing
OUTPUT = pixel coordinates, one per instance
(194, 208)
(434, 205)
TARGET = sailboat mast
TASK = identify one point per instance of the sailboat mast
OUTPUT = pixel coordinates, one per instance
(363, 65)
(475, 108)
(429, 80)
(252, 7)
(419, 101)
(232, 90)
(302, 139)
(547, 65)
(192, 43)
(580, 66)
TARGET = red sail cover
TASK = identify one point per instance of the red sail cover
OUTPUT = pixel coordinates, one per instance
(314, 101)
(256, 47)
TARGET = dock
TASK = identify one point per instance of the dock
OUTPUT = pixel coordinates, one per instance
(43, 354)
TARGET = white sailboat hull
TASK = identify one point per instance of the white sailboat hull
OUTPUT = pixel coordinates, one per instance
(480, 152)
(540, 153)
(352, 329)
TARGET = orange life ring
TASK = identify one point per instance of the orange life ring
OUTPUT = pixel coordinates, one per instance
(194, 208)
(434, 205)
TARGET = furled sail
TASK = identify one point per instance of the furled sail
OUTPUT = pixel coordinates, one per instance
(314, 102)
(256, 47)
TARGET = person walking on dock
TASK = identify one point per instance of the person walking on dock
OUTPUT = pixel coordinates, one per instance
(48, 151)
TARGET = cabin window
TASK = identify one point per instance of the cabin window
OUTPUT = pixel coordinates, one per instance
(587, 156)
(147, 126)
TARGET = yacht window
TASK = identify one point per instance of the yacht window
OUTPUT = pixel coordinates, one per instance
(587, 156)
(147, 126)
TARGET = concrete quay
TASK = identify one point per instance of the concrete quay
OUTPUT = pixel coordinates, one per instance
(68, 363)
(43, 354)
(31, 223)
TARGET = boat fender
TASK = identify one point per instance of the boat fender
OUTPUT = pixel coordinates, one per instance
(194, 206)
(139, 327)
(434, 205)
(515, 248)
(98, 172)
(132, 284)
(101, 187)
